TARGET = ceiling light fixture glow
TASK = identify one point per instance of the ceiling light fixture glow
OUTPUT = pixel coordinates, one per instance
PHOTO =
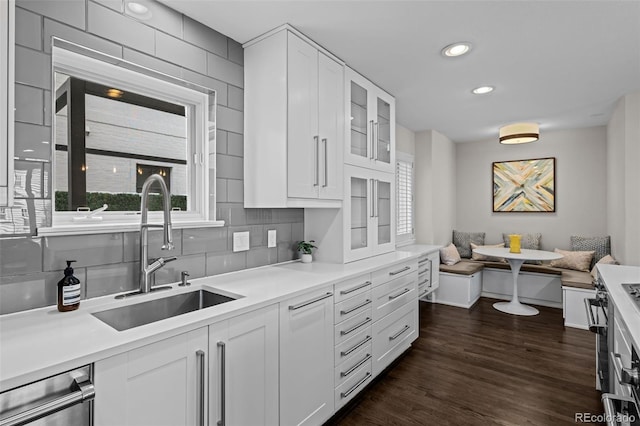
(482, 90)
(456, 49)
(518, 133)
(137, 8)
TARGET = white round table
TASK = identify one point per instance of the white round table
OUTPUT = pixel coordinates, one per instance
(515, 261)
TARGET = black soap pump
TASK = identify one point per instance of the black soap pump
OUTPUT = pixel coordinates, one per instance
(68, 290)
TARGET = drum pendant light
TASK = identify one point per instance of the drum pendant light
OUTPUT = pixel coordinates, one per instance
(519, 133)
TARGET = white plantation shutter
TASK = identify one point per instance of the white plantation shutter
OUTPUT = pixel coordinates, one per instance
(404, 191)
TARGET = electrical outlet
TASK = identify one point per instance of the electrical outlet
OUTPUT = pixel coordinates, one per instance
(271, 238)
(240, 241)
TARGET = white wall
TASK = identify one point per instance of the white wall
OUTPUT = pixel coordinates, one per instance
(580, 187)
(405, 140)
(623, 178)
(435, 198)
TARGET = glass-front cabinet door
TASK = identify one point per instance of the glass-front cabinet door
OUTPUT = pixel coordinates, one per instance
(371, 136)
(369, 213)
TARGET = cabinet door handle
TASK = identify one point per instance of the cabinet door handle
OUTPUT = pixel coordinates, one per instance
(310, 302)
(326, 161)
(355, 308)
(356, 366)
(356, 346)
(373, 199)
(406, 268)
(375, 144)
(201, 377)
(356, 386)
(371, 139)
(395, 296)
(316, 140)
(399, 333)
(358, 287)
(223, 384)
(355, 327)
(376, 182)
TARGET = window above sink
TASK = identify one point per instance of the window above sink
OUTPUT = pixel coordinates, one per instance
(116, 122)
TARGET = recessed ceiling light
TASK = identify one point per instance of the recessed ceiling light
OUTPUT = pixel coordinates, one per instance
(27, 150)
(456, 49)
(137, 8)
(482, 90)
(114, 93)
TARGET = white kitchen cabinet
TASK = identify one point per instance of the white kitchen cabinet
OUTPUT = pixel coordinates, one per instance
(7, 49)
(371, 136)
(428, 273)
(163, 383)
(369, 212)
(243, 369)
(307, 358)
(294, 122)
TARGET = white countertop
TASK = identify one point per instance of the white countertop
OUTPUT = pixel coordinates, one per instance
(42, 342)
(614, 276)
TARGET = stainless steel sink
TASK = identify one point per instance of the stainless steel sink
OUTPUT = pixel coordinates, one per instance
(138, 314)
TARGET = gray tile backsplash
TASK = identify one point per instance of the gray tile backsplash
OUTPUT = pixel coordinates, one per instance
(30, 267)
(120, 28)
(28, 29)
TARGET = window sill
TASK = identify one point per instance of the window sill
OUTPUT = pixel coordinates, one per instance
(107, 228)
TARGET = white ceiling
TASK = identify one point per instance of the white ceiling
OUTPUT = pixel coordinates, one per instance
(562, 64)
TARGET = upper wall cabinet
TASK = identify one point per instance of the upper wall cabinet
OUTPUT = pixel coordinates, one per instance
(294, 123)
(371, 137)
(7, 29)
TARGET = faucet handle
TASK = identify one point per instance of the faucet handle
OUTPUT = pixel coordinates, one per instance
(183, 279)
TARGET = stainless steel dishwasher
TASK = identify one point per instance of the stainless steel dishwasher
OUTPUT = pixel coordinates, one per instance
(62, 400)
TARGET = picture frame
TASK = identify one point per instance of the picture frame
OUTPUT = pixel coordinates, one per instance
(524, 186)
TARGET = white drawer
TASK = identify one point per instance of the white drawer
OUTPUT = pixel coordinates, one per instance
(354, 384)
(351, 345)
(390, 296)
(357, 359)
(352, 307)
(423, 291)
(381, 276)
(352, 287)
(348, 328)
(393, 334)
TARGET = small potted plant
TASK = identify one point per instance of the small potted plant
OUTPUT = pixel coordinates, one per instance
(305, 248)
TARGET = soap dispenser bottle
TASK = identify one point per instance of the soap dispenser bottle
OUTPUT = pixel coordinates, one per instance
(68, 290)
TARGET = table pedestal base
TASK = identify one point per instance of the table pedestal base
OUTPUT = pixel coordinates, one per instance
(516, 308)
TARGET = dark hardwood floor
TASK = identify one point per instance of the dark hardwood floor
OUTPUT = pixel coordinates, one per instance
(484, 367)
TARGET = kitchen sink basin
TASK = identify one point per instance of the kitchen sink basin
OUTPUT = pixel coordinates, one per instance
(138, 314)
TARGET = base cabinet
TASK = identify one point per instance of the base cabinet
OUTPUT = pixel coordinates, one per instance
(307, 358)
(243, 369)
(157, 384)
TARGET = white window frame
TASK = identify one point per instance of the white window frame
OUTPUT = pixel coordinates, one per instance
(409, 237)
(201, 117)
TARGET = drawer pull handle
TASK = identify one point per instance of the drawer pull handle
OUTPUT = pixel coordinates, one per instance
(355, 367)
(356, 386)
(423, 282)
(356, 346)
(395, 296)
(309, 302)
(424, 271)
(355, 308)
(358, 287)
(423, 293)
(425, 260)
(399, 333)
(355, 327)
(406, 268)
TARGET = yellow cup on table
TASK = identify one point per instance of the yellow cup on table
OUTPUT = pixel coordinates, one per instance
(514, 243)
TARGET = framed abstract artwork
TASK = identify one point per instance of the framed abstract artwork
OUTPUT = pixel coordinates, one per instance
(525, 185)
